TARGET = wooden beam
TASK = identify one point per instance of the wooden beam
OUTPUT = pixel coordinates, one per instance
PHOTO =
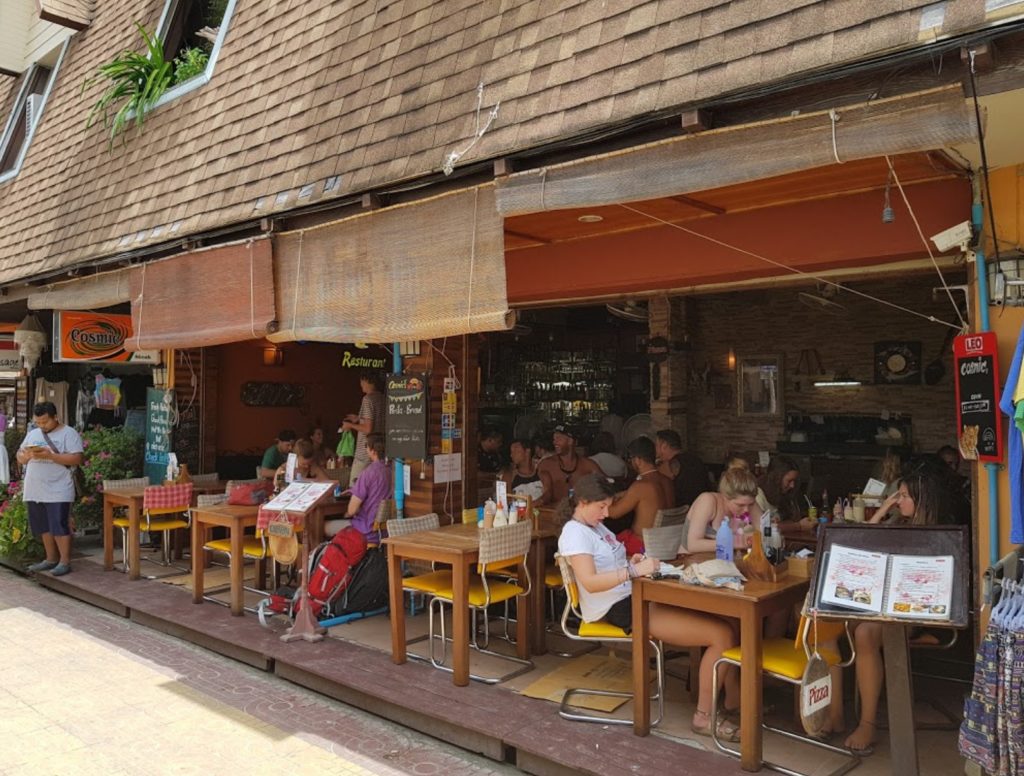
(269, 225)
(372, 201)
(984, 58)
(700, 205)
(503, 167)
(696, 120)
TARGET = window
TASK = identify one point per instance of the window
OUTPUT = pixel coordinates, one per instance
(28, 107)
(192, 31)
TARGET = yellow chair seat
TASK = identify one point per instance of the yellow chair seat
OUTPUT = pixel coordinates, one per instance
(121, 522)
(167, 524)
(601, 630)
(552, 577)
(500, 591)
(429, 583)
(251, 547)
(778, 656)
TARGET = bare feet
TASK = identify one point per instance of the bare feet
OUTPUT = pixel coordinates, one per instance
(862, 739)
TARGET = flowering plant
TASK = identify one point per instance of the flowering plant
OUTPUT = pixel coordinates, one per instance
(110, 454)
(16, 540)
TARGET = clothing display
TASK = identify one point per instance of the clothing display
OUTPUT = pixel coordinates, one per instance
(992, 733)
(108, 394)
(1009, 404)
(56, 392)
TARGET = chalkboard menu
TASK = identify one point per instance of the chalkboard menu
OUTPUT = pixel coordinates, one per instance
(159, 416)
(977, 397)
(406, 424)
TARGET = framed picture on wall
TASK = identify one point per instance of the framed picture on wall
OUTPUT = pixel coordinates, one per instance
(897, 363)
(759, 386)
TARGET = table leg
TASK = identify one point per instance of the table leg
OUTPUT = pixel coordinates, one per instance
(108, 535)
(460, 624)
(397, 602)
(237, 568)
(198, 559)
(134, 556)
(538, 594)
(902, 737)
(641, 659)
(525, 617)
(750, 689)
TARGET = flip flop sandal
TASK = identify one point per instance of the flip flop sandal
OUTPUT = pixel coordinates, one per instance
(865, 751)
(727, 731)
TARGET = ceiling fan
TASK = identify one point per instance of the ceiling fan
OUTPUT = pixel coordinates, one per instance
(822, 299)
(634, 312)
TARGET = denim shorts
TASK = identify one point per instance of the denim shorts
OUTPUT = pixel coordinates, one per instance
(49, 517)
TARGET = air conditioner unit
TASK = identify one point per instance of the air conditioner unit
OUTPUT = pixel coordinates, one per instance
(33, 104)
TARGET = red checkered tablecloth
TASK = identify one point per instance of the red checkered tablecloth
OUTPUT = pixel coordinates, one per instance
(167, 497)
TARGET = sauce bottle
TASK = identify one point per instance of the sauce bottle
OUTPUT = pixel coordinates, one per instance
(724, 541)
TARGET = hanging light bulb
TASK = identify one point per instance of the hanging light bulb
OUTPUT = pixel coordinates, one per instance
(888, 215)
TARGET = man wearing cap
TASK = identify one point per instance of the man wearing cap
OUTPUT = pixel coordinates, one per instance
(559, 473)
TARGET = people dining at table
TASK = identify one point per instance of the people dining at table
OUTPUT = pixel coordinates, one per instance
(778, 490)
(306, 467)
(638, 505)
(602, 452)
(321, 452)
(560, 473)
(521, 470)
(736, 498)
(604, 570)
(277, 453)
(687, 471)
(373, 486)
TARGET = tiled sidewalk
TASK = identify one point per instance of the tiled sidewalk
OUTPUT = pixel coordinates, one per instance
(83, 691)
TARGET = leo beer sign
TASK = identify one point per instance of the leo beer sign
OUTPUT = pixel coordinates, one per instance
(97, 337)
(979, 421)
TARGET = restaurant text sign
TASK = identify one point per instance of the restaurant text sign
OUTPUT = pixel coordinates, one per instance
(89, 336)
(159, 423)
(979, 422)
(406, 422)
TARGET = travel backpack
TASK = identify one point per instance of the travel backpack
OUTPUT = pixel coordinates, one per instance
(331, 568)
(368, 590)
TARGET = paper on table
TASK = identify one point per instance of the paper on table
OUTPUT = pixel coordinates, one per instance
(667, 570)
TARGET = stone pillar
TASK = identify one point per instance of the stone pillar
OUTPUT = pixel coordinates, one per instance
(667, 318)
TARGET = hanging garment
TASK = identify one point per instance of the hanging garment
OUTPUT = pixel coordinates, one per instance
(1015, 446)
(55, 392)
(5, 466)
(108, 393)
(86, 403)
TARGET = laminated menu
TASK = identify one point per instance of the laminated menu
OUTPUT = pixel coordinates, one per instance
(294, 501)
(911, 586)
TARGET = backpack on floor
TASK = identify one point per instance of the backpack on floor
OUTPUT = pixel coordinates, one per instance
(331, 568)
(368, 590)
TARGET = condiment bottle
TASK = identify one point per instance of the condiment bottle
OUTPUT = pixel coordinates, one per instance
(837, 511)
(847, 511)
(859, 509)
(513, 514)
(724, 540)
(489, 510)
(500, 518)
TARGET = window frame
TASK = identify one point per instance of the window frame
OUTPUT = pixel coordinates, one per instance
(19, 105)
(206, 76)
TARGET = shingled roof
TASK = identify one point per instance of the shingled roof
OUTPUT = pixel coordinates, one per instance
(380, 92)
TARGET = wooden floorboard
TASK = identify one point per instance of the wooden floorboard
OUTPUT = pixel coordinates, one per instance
(497, 723)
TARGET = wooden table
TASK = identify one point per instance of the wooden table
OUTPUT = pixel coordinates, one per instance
(236, 519)
(457, 546)
(757, 601)
(131, 499)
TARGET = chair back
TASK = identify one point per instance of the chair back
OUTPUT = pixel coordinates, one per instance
(134, 482)
(409, 525)
(210, 478)
(505, 544)
(667, 517)
(572, 591)
(165, 499)
(211, 499)
(663, 543)
(340, 474)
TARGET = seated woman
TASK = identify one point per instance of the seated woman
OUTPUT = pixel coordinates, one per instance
(777, 492)
(603, 573)
(522, 470)
(306, 467)
(917, 498)
(649, 492)
(321, 452)
(736, 497)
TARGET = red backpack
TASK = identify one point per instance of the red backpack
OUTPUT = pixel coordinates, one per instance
(331, 566)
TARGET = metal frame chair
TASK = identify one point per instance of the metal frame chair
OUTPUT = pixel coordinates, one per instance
(500, 548)
(786, 660)
(121, 521)
(162, 501)
(419, 584)
(601, 631)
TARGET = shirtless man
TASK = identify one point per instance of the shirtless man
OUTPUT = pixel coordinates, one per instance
(650, 491)
(560, 472)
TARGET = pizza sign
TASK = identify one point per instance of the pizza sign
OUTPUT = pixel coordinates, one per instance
(979, 421)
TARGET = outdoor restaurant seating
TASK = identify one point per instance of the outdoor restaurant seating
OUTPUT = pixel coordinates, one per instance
(120, 518)
(600, 632)
(500, 548)
(786, 660)
(166, 508)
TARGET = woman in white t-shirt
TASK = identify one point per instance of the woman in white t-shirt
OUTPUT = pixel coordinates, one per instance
(603, 574)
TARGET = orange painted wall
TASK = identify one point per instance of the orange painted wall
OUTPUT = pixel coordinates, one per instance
(332, 392)
(823, 234)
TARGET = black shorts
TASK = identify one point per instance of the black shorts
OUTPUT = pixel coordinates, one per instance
(49, 517)
(621, 614)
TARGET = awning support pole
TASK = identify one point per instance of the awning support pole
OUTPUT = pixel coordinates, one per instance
(991, 468)
(399, 469)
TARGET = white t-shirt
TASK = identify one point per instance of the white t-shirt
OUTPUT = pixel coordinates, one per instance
(610, 464)
(48, 481)
(608, 554)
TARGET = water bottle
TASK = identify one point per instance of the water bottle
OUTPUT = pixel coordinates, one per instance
(723, 541)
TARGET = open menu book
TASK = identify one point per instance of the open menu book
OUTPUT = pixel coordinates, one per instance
(914, 586)
(299, 497)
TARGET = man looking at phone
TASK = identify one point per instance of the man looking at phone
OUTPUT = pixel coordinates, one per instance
(48, 454)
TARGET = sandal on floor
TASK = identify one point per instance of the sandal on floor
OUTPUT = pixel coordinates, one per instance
(726, 730)
(863, 751)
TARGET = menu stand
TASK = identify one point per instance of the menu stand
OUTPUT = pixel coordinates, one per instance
(305, 626)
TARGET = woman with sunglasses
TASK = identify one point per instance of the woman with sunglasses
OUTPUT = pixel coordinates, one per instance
(917, 498)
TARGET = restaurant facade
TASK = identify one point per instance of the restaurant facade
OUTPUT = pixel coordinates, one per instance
(463, 193)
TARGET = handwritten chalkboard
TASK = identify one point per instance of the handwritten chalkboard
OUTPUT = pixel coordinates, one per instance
(159, 413)
(406, 424)
(977, 397)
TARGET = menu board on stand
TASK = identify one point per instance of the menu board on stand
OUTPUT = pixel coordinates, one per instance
(406, 422)
(159, 425)
(979, 421)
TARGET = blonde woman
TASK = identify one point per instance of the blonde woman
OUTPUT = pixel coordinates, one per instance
(736, 496)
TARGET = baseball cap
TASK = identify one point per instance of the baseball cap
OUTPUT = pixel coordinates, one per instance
(565, 430)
